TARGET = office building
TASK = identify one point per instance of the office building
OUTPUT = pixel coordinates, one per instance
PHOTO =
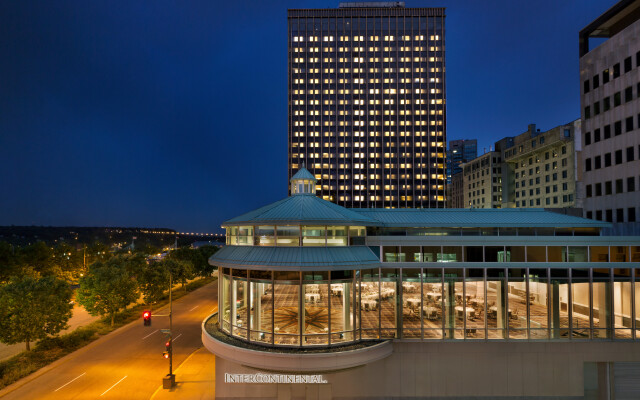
(482, 181)
(460, 151)
(455, 191)
(532, 170)
(320, 301)
(367, 103)
(610, 106)
(540, 169)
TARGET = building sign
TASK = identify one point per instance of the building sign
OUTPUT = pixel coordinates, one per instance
(273, 378)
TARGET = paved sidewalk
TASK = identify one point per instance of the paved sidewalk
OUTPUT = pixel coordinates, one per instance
(195, 378)
(80, 318)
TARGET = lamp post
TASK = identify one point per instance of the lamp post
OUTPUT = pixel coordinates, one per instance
(169, 381)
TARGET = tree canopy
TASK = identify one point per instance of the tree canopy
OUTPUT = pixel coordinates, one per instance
(31, 309)
(153, 281)
(199, 258)
(181, 271)
(107, 288)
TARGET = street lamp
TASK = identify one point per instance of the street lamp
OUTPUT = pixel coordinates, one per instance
(169, 381)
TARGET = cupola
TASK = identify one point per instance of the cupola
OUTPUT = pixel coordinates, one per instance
(303, 182)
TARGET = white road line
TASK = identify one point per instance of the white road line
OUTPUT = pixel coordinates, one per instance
(114, 385)
(70, 381)
(176, 338)
(194, 308)
(150, 334)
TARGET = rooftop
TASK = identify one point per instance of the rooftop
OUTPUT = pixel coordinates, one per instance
(612, 21)
(308, 210)
(297, 258)
(476, 217)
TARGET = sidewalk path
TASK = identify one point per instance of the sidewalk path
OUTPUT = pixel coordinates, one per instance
(195, 378)
(79, 318)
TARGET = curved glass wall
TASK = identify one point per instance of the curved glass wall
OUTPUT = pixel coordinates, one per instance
(239, 303)
(342, 307)
(288, 311)
(532, 302)
(313, 236)
(369, 294)
(261, 300)
(265, 236)
(295, 235)
(316, 310)
(337, 235)
(288, 236)
(389, 303)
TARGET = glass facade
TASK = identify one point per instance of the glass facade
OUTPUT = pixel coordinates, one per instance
(294, 235)
(534, 302)
(500, 254)
(367, 104)
(426, 283)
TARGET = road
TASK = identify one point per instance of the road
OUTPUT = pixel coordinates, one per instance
(128, 363)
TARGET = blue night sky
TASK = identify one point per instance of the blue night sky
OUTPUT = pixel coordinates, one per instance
(174, 113)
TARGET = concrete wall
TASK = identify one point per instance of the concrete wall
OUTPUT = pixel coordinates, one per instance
(551, 370)
(605, 56)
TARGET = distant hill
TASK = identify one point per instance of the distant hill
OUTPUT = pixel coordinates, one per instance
(112, 236)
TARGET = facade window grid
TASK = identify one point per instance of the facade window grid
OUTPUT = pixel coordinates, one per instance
(431, 189)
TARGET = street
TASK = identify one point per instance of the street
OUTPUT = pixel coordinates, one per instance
(128, 363)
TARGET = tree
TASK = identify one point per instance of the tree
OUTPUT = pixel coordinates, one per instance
(206, 269)
(199, 258)
(97, 251)
(135, 263)
(68, 261)
(180, 271)
(8, 262)
(146, 248)
(39, 258)
(153, 280)
(31, 309)
(107, 288)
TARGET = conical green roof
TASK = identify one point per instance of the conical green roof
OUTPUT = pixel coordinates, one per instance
(305, 210)
(303, 173)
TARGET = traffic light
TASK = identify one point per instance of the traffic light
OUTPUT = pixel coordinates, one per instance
(147, 318)
(167, 345)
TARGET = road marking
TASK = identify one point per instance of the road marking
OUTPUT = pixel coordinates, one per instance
(150, 334)
(70, 381)
(194, 308)
(114, 385)
(176, 338)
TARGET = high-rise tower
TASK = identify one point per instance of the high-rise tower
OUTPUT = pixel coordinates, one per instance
(460, 151)
(367, 103)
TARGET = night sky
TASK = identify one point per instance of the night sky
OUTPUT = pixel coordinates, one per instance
(174, 113)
